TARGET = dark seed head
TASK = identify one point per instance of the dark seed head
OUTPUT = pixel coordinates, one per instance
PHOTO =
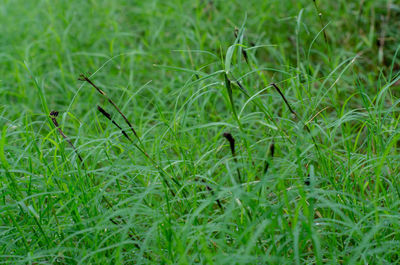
(231, 141)
(236, 32)
(82, 77)
(307, 180)
(229, 137)
(105, 113)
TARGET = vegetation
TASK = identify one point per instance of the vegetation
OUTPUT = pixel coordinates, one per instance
(210, 132)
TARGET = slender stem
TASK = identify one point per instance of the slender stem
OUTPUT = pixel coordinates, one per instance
(53, 117)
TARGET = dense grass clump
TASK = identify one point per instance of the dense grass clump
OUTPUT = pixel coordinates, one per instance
(210, 132)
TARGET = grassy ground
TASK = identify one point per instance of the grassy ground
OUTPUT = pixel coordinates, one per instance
(225, 168)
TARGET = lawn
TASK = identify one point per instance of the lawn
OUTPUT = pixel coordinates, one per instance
(199, 132)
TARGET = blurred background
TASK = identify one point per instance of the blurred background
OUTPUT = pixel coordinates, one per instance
(123, 40)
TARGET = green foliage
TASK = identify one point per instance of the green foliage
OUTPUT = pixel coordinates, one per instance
(310, 175)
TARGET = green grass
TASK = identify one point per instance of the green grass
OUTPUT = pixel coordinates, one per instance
(172, 195)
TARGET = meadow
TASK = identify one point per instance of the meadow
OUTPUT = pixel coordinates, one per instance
(199, 132)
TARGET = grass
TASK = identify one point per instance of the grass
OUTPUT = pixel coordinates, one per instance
(225, 132)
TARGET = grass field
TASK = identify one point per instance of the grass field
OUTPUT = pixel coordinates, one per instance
(199, 132)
